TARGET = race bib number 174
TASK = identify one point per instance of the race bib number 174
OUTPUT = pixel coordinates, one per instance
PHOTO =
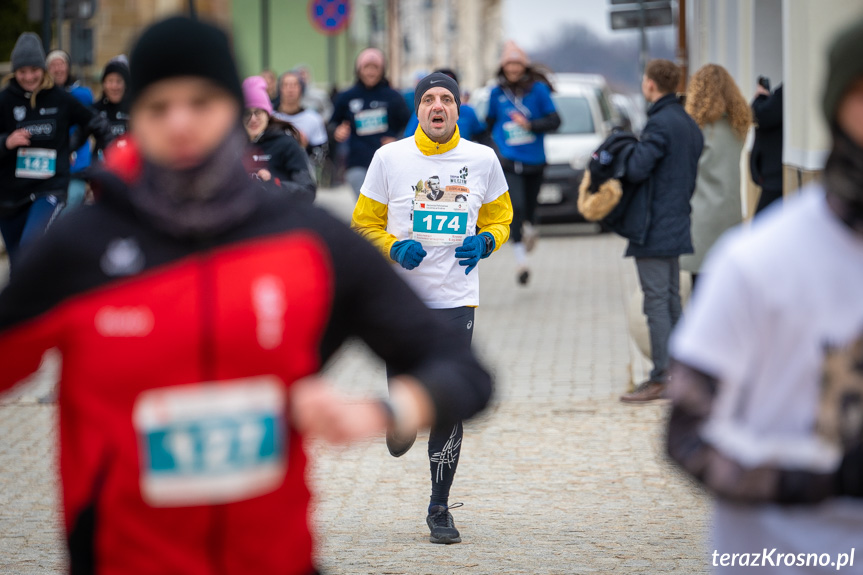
(211, 443)
(439, 223)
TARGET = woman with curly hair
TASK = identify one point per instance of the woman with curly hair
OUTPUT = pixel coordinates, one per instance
(715, 103)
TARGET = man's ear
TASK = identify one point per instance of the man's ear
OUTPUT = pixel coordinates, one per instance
(651, 84)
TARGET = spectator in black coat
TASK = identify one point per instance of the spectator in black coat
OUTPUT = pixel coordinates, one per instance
(667, 154)
(765, 161)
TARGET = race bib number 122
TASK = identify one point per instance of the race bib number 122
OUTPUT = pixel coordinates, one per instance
(211, 443)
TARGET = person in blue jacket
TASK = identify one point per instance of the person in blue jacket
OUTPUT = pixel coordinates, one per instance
(520, 112)
(59, 64)
(667, 156)
(469, 125)
(367, 116)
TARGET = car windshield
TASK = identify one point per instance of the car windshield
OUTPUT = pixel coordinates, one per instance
(575, 115)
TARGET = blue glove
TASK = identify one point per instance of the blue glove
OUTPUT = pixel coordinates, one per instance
(473, 249)
(408, 253)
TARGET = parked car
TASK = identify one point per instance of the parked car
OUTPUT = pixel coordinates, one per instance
(631, 111)
(587, 118)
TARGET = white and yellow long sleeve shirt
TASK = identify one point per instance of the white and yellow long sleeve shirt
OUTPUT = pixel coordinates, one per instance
(413, 175)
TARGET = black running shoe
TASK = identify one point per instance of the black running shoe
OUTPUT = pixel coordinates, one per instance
(399, 445)
(441, 525)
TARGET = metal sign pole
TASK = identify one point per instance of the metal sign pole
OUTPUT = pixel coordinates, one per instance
(643, 55)
(331, 17)
(265, 34)
(331, 59)
(46, 24)
(58, 25)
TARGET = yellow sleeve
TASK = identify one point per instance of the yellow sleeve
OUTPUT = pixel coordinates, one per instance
(370, 221)
(495, 217)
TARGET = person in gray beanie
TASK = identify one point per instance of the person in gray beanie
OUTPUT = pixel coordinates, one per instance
(35, 145)
(28, 51)
(765, 384)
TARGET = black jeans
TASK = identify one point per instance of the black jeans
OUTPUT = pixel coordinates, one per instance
(523, 191)
(444, 446)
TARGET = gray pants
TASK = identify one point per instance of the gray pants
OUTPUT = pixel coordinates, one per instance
(660, 283)
(355, 177)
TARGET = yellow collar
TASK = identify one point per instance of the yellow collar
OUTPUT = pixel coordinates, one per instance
(430, 148)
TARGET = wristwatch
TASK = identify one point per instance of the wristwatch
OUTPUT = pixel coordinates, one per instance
(489, 243)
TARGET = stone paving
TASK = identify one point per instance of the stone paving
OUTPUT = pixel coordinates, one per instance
(557, 476)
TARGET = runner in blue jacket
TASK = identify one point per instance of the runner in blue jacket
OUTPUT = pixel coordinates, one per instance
(520, 112)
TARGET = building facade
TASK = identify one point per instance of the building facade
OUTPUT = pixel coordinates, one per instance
(417, 36)
(464, 35)
(787, 41)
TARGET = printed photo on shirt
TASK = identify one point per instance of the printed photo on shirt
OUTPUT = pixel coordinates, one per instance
(840, 413)
(432, 189)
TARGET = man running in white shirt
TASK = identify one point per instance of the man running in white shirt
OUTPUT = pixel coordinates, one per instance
(435, 243)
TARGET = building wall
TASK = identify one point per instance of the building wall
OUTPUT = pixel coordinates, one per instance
(809, 31)
(416, 35)
(117, 24)
(293, 40)
(787, 41)
(766, 33)
(463, 35)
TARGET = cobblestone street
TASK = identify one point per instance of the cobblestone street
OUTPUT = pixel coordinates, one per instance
(557, 477)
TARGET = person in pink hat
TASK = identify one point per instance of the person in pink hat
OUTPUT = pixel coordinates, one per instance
(520, 112)
(276, 156)
(368, 115)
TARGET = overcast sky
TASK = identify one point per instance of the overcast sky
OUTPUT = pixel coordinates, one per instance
(530, 22)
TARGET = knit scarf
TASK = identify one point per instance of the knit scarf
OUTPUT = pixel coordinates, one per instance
(198, 202)
(843, 178)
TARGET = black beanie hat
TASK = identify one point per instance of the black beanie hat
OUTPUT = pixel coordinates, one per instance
(449, 72)
(117, 67)
(845, 66)
(180, 46)
(436, 80)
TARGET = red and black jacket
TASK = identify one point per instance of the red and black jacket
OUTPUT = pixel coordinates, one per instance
(135, 312)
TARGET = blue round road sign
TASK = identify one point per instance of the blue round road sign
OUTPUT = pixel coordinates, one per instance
(330, 16)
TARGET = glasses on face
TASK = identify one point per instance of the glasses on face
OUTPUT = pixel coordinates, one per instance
(256, 112)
